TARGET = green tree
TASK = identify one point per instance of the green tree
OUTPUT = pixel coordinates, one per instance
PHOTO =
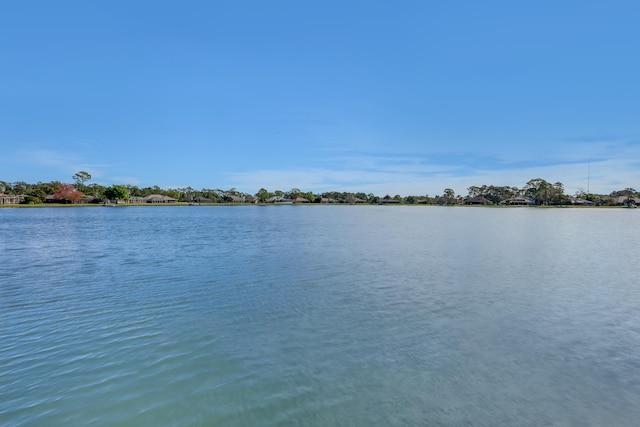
(96, 190)
(309, 195)
(557, 194)
(172, 193)
(263, 195)
(448, 197)
(134, 191)
(117, 192)
(48, 187)
(538, 190)
(475, 191)
(35, 195)
(80, 178)
(293, 193)
(630, 194)
(498, 194)
(19, 187)
(188, 193)
(411, 200)
(32, 200)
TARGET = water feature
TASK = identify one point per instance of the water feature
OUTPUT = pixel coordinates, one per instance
(319, 315)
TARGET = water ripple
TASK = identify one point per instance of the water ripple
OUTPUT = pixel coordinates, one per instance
(319, 316)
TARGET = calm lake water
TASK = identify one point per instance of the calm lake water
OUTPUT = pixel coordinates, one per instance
(319, 316)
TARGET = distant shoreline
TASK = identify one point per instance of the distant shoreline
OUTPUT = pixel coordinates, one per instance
(185, 204)
(537, 191)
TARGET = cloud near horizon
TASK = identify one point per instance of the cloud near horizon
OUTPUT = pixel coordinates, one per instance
(612, 164)
(603, 168)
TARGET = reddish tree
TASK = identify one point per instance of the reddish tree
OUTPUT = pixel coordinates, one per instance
(68, 193)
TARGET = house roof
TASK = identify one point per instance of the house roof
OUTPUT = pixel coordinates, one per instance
(623, 199)
(478, 200)
(519, 200)
(159, 197)
(11, 198)
(278, 199)
(579, 201)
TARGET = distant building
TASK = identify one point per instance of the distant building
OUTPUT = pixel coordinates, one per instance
(519, 201)
(622, 200)
(237, 199)
(478, 200)
(279, 200)
(159, 198)
(202, 200)
(6, 199)
(581, 202)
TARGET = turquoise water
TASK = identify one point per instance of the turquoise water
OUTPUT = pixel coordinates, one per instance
(318, 316)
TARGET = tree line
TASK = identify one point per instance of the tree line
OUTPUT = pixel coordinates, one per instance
(536, 191)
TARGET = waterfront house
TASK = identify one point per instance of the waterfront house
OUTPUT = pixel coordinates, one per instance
(90, 199)
(622, 200)
(279, 200)
(478, 200)
(577, 201)
(201, 200)
(6, 199)
(237, 199)
(519, 201)
(159, 198)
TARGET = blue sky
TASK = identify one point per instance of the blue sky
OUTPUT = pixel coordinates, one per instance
(403, 97)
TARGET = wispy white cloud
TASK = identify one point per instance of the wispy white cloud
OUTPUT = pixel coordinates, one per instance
(84, 142)
(48, 158)
(126, 180)
(601, 166)
(57, 162)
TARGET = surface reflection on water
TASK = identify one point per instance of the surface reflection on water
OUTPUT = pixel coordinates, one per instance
(316, 315)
